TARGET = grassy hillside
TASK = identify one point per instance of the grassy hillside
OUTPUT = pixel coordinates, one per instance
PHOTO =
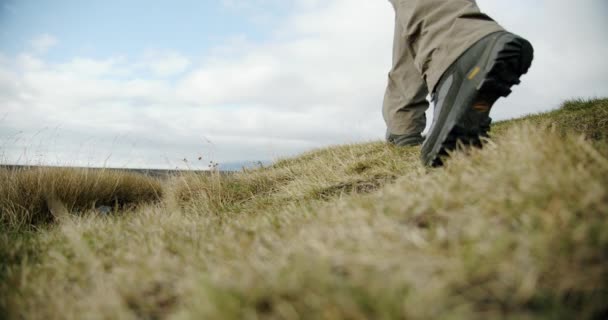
(518, 230)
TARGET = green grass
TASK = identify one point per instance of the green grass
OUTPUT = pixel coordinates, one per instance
(517, 230)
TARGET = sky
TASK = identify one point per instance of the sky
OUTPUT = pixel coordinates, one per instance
(178, 84)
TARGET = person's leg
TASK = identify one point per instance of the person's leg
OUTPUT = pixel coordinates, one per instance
(467, 61)
(439, 31)
(405, 100)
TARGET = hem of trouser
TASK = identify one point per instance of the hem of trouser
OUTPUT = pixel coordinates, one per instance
(404, 139)
(407, 126)
(407, 123)
(448, 57)
(410, 126)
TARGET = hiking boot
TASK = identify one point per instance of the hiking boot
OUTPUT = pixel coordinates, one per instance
(405, 140)
(467, 90)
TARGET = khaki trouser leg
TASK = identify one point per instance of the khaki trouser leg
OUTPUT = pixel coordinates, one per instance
(405, 101)
(430, 35)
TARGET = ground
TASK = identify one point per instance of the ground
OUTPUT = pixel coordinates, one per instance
(517, 230)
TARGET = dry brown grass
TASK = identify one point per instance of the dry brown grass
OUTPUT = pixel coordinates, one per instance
(29, 195)
(514, 231)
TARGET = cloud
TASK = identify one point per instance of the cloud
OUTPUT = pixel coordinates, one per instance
(318, 80)
(318, 60)
(570, 46)
(43, 43)
(165, 63)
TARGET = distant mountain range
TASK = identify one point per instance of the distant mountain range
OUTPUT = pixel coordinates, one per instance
(238, 166)
(227, 167)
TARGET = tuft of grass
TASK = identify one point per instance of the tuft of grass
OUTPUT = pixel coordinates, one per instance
(33, 196)
(317, 176)
(588, 117)
(514, 231)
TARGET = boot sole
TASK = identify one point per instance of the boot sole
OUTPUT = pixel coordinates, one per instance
(491, 77)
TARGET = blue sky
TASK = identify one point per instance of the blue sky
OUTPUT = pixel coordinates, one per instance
(151, 83)
(103, 28)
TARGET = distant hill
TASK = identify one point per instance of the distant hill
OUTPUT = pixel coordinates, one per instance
(227, 167)
(239, 166)
(517, 230)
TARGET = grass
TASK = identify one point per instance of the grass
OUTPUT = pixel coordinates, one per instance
(35, 196)
(515, 231)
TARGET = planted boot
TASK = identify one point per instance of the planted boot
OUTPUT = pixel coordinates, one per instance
(469, 88)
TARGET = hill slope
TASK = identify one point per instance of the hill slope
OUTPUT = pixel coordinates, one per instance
(516, 230)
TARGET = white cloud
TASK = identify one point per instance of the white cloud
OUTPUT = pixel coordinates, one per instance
(570, 46)
(95, 68)
(43, 43)
(165, 63)
(315, 63)
(29, 62)
(318, 81)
